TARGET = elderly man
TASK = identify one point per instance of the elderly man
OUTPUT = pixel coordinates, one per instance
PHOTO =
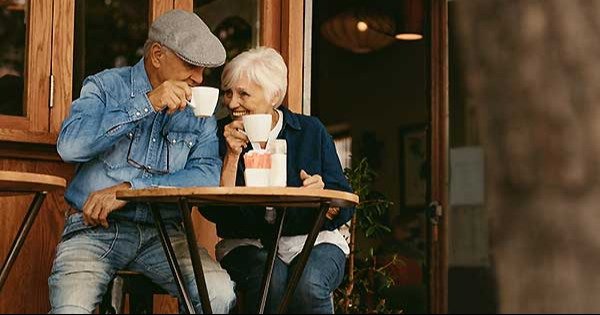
(131, 128)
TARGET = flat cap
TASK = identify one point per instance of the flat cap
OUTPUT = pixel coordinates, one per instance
(188, 37)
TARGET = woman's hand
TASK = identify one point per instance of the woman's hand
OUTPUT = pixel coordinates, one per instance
(316, 182)
(311, 181)
(237, 141)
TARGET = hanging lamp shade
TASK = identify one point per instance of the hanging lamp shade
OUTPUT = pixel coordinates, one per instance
(359, 30)
(409, 24)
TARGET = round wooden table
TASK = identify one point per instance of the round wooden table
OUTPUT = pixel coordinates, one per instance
(279, 197)
(18, 183)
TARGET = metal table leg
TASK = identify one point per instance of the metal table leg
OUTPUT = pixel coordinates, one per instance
(196, 261)
(172, 259)
(266, 281)
(34, 208)
(302, 259)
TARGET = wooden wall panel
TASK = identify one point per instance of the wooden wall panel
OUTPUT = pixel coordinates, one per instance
(292, 50)
(26, 289)
(270, 24)
(62, 61)
(39, 40)
(187, 5)
(158, 7)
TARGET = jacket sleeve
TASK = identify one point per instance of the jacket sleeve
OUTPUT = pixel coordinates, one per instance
(334, 178)
(95, 124)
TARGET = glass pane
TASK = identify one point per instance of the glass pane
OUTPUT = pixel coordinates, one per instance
(108, 34)
(236, 23)
(12, 56)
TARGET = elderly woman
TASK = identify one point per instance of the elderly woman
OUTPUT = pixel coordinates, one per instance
(255, 82)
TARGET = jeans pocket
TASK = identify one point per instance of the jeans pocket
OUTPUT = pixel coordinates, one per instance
(96, 239)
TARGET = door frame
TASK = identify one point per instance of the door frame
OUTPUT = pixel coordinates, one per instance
(439, 150)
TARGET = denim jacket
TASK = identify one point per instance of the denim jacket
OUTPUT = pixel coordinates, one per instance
(309, 148)
(115, 136)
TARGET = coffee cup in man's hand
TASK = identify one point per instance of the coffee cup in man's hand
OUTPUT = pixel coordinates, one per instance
(204, 100)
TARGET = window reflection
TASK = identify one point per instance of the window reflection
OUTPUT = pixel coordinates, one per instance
(236, 24)
(108, 34)
(12, 56)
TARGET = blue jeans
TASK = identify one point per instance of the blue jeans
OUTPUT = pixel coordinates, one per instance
(323, 273)
(87, 259)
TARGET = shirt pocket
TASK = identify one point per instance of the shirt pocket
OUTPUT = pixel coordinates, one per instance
(116, 156)
(180, 144)
(115, 160)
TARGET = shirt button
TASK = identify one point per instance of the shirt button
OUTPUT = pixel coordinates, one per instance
(146, 110)
(130, 135)
(174, 141)
(191, 143)
(138, 114)
(153, 139)
(149, 167)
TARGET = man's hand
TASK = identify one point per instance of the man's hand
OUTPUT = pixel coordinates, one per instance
(170, 94)
(101, 203)
(311, 181)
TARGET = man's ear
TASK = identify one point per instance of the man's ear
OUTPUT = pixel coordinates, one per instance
(156, 54)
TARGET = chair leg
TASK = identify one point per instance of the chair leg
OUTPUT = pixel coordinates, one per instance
(112, 301)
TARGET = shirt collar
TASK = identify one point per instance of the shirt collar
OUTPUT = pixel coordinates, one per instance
(289, 118)
(139, 79)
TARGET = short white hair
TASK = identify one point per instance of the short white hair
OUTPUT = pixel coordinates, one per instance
(263, 66)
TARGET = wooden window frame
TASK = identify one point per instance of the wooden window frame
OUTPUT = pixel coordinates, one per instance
(34, 125)
(50, 53)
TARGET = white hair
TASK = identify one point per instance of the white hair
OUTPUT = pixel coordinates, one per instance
(263, 66)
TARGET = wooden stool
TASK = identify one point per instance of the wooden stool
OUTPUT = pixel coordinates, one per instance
(141, 291)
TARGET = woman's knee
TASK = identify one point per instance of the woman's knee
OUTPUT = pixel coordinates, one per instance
(70, 309)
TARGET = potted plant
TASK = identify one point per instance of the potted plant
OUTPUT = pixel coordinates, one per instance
(361, 289)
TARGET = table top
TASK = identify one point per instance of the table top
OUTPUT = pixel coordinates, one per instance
(264, 196)
(24, 182)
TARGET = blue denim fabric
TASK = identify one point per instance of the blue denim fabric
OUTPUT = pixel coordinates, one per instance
(323, 273)
(116, 136)
(309, 148)
(88, 257)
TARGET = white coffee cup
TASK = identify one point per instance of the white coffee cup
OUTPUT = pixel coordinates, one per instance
(257, 177)
(204, 100)
(257, 127)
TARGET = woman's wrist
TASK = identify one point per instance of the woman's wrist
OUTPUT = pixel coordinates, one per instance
(229, 171)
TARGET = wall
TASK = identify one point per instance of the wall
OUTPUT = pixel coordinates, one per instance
(26, 289)
(471, 286)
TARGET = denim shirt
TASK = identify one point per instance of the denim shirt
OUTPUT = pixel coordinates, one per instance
(309, 148)
(115, 136)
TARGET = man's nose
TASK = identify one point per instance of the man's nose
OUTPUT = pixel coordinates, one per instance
(198, 75)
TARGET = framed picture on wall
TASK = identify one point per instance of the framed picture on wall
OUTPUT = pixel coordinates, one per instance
(414, 166)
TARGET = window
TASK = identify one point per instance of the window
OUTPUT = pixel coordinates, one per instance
(12, 57)
(108, 34)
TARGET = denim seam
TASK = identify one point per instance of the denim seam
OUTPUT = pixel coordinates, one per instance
(163, 276)
(112, 244)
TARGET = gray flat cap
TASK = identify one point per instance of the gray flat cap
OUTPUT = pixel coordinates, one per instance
(188, 36)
